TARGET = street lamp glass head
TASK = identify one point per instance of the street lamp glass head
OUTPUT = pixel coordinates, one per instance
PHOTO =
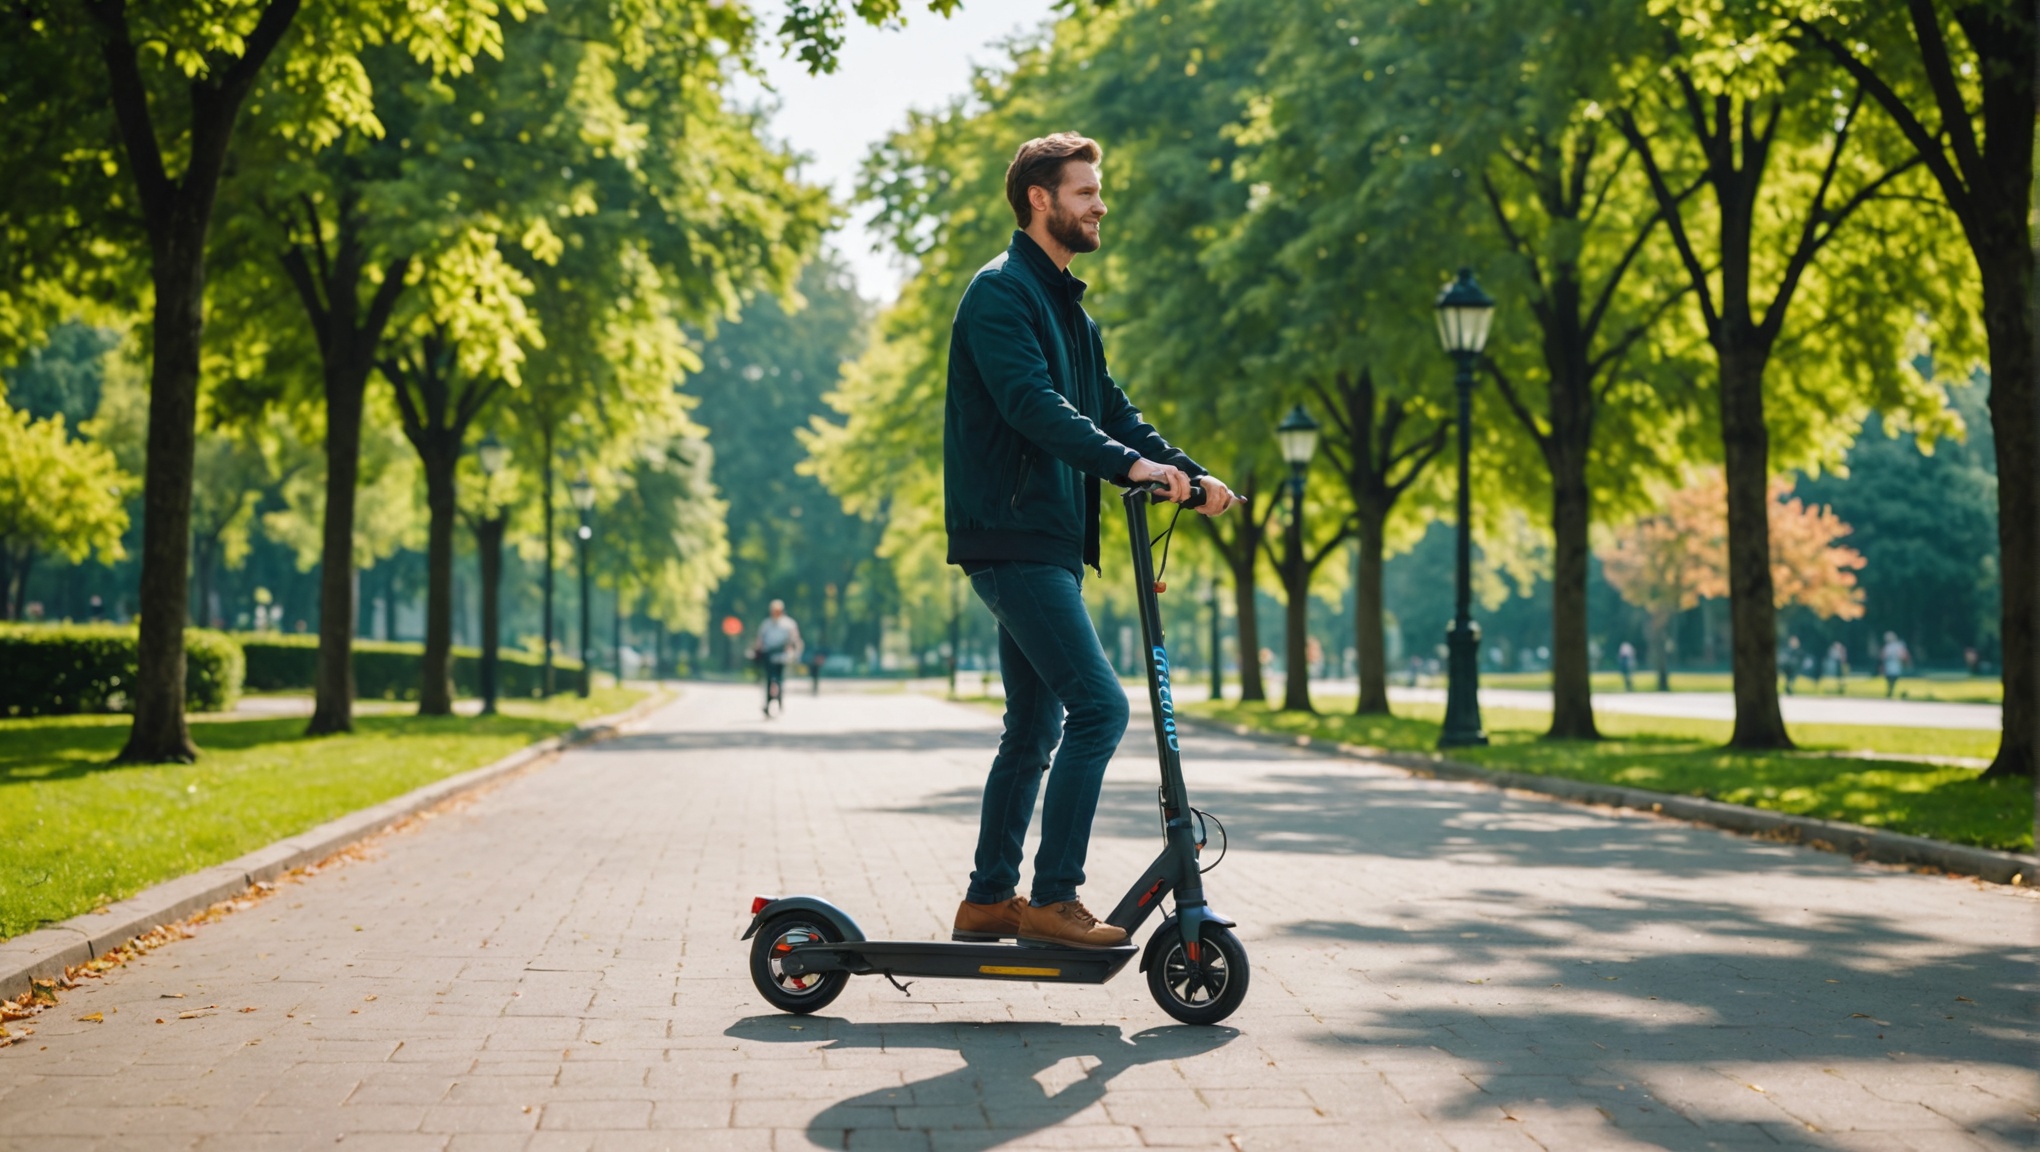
(582, 492)
(1297, 434)
(1464, 312)
(492, 454)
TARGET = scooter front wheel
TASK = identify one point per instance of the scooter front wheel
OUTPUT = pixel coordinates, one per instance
(1204, 985)
(800, 994)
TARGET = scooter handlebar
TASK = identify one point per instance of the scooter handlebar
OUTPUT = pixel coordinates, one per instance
(1155, 488)
(1155, 492)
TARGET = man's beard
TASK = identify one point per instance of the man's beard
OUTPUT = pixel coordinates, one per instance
(1067, 230)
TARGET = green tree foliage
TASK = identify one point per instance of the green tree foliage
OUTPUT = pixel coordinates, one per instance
(1322, 256)
(664, 544)
(1798, 197)
(1930, 572)
(939, 188)
(129, 155)
(158, 119)
(762, 380)
(1959, 80)
(57, 496)
(1203, 311)
(63, 377)
(938, 185)
(1497, 112)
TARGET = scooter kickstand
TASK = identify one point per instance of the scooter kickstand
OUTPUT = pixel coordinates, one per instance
(902, 987)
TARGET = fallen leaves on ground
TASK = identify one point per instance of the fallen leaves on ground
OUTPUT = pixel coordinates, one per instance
(43, 993)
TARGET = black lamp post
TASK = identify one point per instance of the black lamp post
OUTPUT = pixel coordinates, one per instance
(1464, 312)
(1297, 435)
(583, 494)
(492, 454)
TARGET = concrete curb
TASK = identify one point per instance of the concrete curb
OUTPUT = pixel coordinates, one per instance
(46, 952)
(1854, 840)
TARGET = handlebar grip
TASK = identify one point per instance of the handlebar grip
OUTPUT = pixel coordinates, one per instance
(1196, 499)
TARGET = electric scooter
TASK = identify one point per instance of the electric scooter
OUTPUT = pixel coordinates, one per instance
(805, 949)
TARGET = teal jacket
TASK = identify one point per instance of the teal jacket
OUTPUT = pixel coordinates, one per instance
(1033, 420)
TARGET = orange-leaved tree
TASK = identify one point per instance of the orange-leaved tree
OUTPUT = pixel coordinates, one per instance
(1669, 562)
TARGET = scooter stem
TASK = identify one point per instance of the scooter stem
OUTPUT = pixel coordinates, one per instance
(1176, 817)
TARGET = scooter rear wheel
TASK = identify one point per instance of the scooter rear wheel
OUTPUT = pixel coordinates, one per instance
(1206, 989)
(798, 994)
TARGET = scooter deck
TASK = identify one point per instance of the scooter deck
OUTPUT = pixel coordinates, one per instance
(955, 960)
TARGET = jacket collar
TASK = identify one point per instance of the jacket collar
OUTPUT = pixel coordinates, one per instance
(1030, 253)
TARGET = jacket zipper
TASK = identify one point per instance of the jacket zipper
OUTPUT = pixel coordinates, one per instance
(1020, 481)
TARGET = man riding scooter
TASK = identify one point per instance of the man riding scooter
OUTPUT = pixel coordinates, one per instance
(1033, 423)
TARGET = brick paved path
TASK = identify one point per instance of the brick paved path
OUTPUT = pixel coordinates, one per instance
(1435, 966)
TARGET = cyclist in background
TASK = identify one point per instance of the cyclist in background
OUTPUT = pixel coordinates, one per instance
(778, 644)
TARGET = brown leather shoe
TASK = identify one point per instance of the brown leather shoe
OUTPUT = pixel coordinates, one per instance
(1069, 924)
(988, 921)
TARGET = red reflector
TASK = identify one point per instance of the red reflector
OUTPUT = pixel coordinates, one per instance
(758, 904)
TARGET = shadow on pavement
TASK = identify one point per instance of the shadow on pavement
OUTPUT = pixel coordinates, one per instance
(771, 736)
(1016, 1079)
(1345, 814)
(1868, 999)
(1693, 998)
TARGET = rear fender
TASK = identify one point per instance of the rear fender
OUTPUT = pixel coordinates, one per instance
(837, 918)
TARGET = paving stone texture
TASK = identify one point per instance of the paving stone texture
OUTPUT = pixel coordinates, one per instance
(1436, 965)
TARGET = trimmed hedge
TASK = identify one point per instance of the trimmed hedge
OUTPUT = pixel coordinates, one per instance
(386, 670)
(56, 669)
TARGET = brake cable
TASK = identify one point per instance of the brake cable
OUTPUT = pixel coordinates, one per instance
(1164, 539)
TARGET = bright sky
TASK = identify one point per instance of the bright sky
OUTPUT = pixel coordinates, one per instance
(835, 119)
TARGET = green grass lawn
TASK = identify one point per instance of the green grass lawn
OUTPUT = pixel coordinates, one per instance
(1950, 689)
(77, 831)
(1686, 757)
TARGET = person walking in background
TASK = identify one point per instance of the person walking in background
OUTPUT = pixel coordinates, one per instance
(778, 644)
(1838, 666)
(1788, 662)
(1895, 658)
(815, 661)
(1625, 659)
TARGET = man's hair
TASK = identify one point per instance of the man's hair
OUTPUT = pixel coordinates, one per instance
(1039, 163)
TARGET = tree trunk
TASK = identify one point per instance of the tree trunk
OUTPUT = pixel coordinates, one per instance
(546, 612)
(1370, 639)
(177, 213)
(2008, 311)
(14, 572)
(435, 687)
(1660, 650)
(1247, 627)
(333, 678)
(489, 546)
(1752, 609)
(1572, 699)
(204, 550)
(159, 734)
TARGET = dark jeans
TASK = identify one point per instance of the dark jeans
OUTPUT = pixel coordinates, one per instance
(1052, 664)
(775, 681)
